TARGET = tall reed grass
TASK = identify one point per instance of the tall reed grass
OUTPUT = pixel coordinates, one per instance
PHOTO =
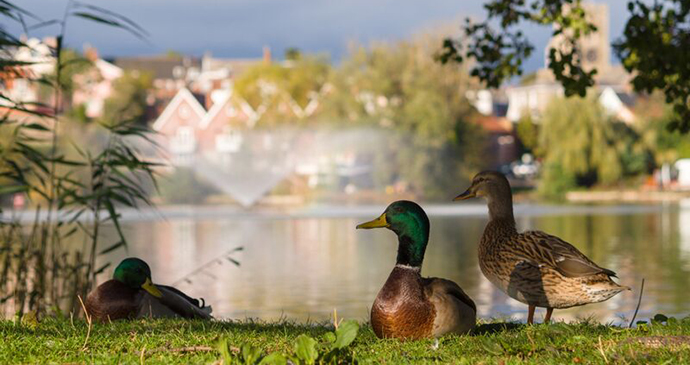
(50, 258)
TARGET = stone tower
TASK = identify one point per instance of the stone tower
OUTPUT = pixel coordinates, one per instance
(595, 48)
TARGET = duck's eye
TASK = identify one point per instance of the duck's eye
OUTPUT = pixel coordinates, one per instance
(398, 209)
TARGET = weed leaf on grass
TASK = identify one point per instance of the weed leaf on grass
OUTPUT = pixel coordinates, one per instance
(305, 349)
(345, 334)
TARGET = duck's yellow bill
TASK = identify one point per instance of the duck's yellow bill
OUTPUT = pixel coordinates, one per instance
(379, 222)
(151, 289)
(466, 195)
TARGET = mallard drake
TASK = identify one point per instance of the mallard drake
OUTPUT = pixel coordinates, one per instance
(533, 267)
(131, 294)
(410, 306)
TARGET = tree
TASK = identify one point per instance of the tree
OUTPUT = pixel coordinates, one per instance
(421, 107)
(73, 64)
(528, 133)
(582, 144)
(666, 145)
(270, 85)
(128, 101)
(655, 47)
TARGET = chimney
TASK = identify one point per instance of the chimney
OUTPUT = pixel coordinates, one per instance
(50, 42)
(91, 53)
(208, 100)
(267, 54)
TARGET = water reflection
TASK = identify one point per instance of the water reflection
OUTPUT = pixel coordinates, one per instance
(304, 267)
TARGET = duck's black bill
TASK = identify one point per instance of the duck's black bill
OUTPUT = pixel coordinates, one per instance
(379, 222)
(466, 195)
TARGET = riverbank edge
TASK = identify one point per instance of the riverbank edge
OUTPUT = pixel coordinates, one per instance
(626, 196)
(179, 341)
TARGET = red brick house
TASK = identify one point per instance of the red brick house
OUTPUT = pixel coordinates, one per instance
(220, 129)
(180, 123)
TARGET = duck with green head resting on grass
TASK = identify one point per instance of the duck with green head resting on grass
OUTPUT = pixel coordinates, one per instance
(410, 306)
(533, 267)
(131, 294)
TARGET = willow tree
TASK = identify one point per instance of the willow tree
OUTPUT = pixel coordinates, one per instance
(582, 144)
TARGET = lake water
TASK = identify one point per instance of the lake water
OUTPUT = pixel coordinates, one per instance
(302, 264)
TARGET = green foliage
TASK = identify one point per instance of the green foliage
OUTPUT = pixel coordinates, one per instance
(499, 54)
(665, 143)
(72, 64)
(555, 181)
(128, 101)
(576, 136)
(653, 47)
(293, 54)
(528, 133)
(581, 146)
(420, 105)
(306, 350)
(184, 342)
(268, 86)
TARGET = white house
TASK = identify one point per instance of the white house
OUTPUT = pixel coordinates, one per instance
(617, 104)
(683, 167)
(531, 99)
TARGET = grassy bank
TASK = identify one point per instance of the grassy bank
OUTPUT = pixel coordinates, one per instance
(171, 341)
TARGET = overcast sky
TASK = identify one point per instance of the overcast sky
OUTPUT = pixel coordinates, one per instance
(240, 28)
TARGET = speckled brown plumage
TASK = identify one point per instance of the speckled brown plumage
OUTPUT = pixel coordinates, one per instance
(542, 270)
(533, 267)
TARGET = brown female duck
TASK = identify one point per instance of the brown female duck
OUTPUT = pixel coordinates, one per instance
(410, 306)
(533, 267)
(131, 294)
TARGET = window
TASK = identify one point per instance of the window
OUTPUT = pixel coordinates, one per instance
(184, 112)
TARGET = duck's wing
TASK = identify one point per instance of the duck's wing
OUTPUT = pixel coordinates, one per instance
(455, 311)
(172, 303)
(542, 249)
(438, 286)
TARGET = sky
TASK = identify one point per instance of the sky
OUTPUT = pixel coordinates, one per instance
(241, 28)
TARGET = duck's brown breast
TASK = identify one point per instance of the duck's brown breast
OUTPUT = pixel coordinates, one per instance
(401, 309)
(113, 300)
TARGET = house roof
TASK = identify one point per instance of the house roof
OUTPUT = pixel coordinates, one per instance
(183, 95)
(494, 124)
(627, 99)
(213, 112)
(236, 66)
(161, 67)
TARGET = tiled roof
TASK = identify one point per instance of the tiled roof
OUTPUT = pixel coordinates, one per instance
(161, 67)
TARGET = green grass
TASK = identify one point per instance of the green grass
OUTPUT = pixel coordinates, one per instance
(178, 341)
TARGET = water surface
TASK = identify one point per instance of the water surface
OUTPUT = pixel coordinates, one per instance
(303, 264)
